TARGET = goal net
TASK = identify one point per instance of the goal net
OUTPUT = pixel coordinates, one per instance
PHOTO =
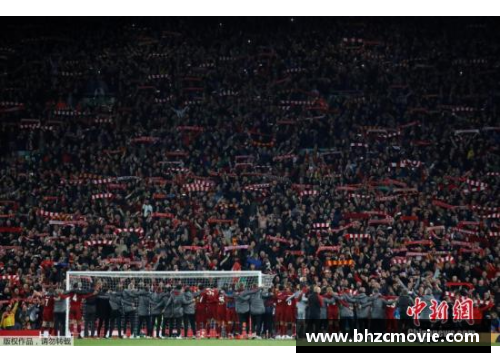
(146, 280)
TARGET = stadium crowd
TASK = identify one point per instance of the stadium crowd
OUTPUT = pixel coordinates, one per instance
(357, 160)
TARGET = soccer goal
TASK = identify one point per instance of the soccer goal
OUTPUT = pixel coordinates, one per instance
(145, 280)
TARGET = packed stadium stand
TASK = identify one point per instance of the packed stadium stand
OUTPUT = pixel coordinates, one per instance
(354, 160)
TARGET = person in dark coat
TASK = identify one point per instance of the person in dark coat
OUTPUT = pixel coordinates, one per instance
(269, 315)
(363, 306)
(346, 311)
(257, 310)
(103, 312)
(156, 310)
(315, 303)
(377, 312)
(129, 303)
(90, 313)
(166, 305)
(116, 311)
(242, 307)
(189, 311)
(144, 311)
(404, 301)
(59, 313)
(176, 301)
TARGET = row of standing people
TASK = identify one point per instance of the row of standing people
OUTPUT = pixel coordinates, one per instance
(163, 311)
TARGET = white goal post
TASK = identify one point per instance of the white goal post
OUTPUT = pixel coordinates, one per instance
(113, 280)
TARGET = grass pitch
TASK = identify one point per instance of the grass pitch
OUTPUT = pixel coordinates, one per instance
(184, 342)
(208, 342)
(190, 342)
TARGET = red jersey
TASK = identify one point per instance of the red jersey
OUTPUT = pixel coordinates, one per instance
(201, 302)
(389, 311)
(48, 303)
(211, 296)
(200, 310)
(47, 264)
(479, 310)
(221, 308)
(290, 306)
(281, 302)
(48, 308)
(332, 310)
(76, 299)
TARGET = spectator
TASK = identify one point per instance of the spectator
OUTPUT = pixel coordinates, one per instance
(9, 317)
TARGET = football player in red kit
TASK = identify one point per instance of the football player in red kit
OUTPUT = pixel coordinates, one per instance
(211, 296)
(281, 309)
(48, 311)
(201, 309)
(332, 312)
(391, 322)
(221, 317)
(77, 296)
(289, 315)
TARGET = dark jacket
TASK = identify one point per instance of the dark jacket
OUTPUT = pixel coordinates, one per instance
(345, 308)
(115, 301)
(144, 307)
(189, 302)
(363, 305)
(257, 305)
(59, 305)
(315, 304)
(242, 302)
(378, 308)
(403, 303)
(177, 300)
(91, 304)
(103, 307)
(156, 300)
(129, 300)
(166, 305)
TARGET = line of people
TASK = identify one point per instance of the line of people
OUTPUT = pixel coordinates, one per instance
(158, 310)
(161, 311)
